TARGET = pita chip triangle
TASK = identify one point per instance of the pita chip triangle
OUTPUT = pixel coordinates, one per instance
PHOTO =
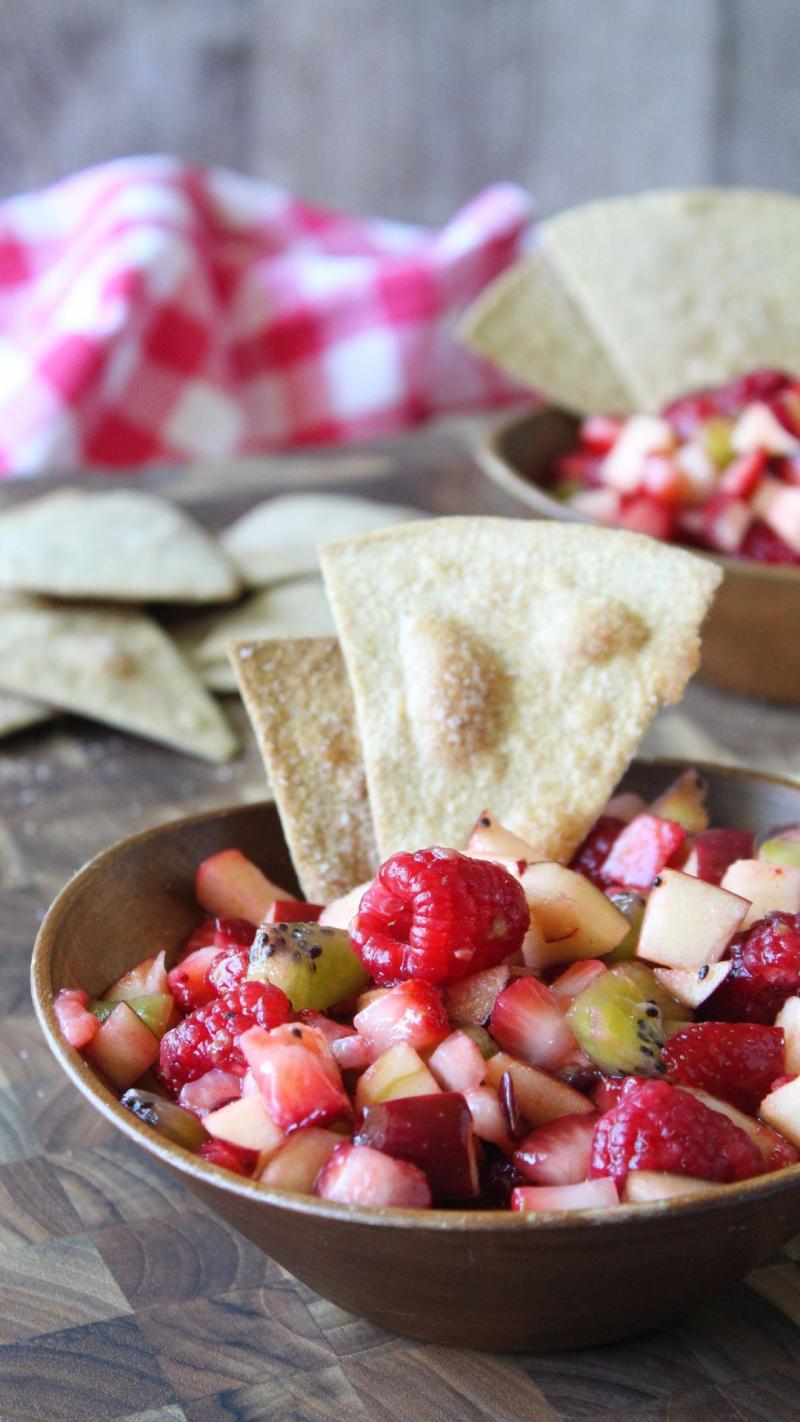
(17, 713)
(124, 546)
(299, 701)
(114, 665)
(510, 666)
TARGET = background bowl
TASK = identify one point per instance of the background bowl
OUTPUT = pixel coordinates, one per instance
(750, 641)
(471, 1278)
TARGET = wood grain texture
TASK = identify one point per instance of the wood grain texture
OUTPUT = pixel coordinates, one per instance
(407, 107)
(197, 1325)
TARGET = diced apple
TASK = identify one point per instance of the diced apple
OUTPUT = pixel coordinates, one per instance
(434, 1133)
(149, 976)
(398, 1072)
(625, 806)
(758, 428)
(299, 1160)
(589, 1195)
(769, 887)
(714, 850)
(351, 1052)
(339, 912)
(778, 504)
(684, 803)
(359, 1175)
(641, 435)
(781, 851)
(601, 504)
(642, 850)
(541, 1098)
(123, 1048)
(488, 1117)
(642, 1186)
(489, 839)
(246, 1123)
(529, 1022)
(781, 1109)
(688, 923)
(78, 1025)
(411, 1012)
(559, 1153)
(470, 1001)
(576, 918)
(692, 986)
(789, 1019)
(457, 1063)
(228, 885)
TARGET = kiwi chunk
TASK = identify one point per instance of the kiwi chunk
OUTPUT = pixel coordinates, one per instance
(314, 966)
(623, 1018)
(156, 1010)
(633, 906)
(166, 1119)
(486, 1045)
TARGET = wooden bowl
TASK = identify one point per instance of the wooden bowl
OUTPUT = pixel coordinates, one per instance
(750, 642)
(470, 1278)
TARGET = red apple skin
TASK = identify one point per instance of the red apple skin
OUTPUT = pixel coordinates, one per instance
(714, 850)
(434, 1133)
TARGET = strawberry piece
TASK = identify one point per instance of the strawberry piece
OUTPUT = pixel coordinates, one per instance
(764, 546)
(591, 855)
(738, 1061)
(576, 978)
(529, 1021)
(411, 1012)
(557, 1154)
(438, 916)
(742, 476)
(188, 981)
(208, 1092)
(457, 1063)
(209, 1036)
(642, 849)
(293, 911)
(582, 466)
(359, 1175)
(765, 972)
(601, 432)
(234, 1158)
(725, 521)
(229, 885)
(641, 514)
(297, 1076)
(659, 1127)
(78, 1025)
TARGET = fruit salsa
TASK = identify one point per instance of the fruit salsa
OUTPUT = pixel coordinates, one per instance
(719, 469)
(481, 1027)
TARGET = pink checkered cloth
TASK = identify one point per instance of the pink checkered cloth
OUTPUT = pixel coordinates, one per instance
(150, 312)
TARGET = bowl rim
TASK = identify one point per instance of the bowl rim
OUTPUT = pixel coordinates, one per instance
(494, 462)
(185, 1162)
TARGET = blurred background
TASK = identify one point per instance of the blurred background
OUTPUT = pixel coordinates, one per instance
(408, 107)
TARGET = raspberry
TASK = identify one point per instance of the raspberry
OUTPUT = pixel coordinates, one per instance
(764, 546)
(439, 916)
(236, 1158)
(229, 970)
(659, 1127)
(737, 1061)
(765, 971)
(589, 857)
(208, 1037)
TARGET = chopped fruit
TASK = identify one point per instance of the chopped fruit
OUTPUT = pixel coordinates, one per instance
(781, 1109)
(228, 885)
(157, 1011)
(714, 850)
(350, 1052)
(165, 1118)
(789, 1020)
(188, 980)
(737, 1061)
(297, 1163)
(529, 1022)
(470, 1002)
(247, 1123)
(625, 806)
(758, 428)
(209, 1036)
(765, 970)
(659, 1127)
(400, 1071)
(315, 966)
(642, 1186)
(588, 1195)
(769, 887)
(233, 1158)
(293, 911)
(692, 987)
(576, 918)
(780, 851)
(778, 504)
(541, 1098)
(339, 913)
(688, 922)
(557, 1154)
(684, 803)
(123, 1047)
(623, 1018)
(743, 475)
(228, 970)
(296, 1075)
(214, 1088)
(578, 976)
(359, 1175)
(488, 1117)
(486, 1045)
(147, 977)
(592, 853)
(633, 905)
(434, 1133)
(78, 1025)
(439, 916)
(642, 850)
(490, 840)
(457, 1063)
(411, 1012)
(641, 435)
(774, 1149)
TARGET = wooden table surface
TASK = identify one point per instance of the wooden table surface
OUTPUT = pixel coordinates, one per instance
(120, 1296)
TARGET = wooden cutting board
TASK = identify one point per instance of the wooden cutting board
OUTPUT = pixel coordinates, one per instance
(120, 1296)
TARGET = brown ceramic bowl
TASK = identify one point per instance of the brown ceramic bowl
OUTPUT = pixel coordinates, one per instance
(470, 1278)
(750, 642)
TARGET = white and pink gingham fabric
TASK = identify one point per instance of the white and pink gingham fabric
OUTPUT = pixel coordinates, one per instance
(151, 312)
